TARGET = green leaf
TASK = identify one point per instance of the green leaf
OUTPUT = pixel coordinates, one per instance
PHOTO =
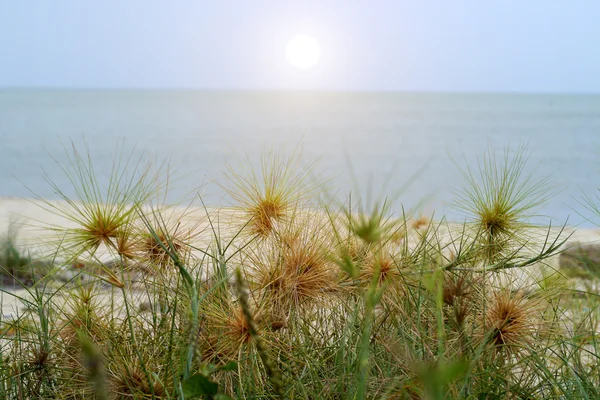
(230, 366)
(212, 368)
(199, 385)
(452, 371)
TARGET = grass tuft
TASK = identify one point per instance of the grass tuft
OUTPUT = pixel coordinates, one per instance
(510, 321)
(289, 295)
(268, 198)
(501, 199)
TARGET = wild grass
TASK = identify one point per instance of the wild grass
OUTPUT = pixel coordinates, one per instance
(286, 295)
(17, 266)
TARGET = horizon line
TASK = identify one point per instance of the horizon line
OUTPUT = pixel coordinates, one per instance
(295, 90)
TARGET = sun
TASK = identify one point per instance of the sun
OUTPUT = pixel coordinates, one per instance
(303, 52)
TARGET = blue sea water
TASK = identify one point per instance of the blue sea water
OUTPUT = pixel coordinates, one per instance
(370, 143)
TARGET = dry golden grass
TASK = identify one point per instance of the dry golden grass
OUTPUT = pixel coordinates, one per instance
(333, 301)
(293, 269)
(270, 198)
(511, 321)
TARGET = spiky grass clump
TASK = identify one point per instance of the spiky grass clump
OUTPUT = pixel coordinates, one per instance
(371, 227)
(501, 200)
(292, 270)
(364, 240)
(460, 294)
(269, 198)
(224, 332)
(128, 380)
(83, 313)
(172, 232)
(512, 322)
(384, 265)
(101, 212)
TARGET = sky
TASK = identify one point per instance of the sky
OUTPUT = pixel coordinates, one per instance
(401, 45)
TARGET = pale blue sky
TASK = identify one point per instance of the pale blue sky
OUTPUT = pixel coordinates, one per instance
(443, 45)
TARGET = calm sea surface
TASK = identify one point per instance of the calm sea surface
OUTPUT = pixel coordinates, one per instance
(393, 138)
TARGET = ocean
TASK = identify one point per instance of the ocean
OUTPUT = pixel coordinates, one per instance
(406, 146)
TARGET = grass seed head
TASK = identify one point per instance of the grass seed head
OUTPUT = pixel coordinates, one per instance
(374, 227)
(125, 243)
(457, 286)
(238, 329)
(267, 199)
(459, 292)
(500, 199)
(296, 271)
(511, 321)
(99, 210)
(225, 333)
(152, 249)
(82, 313)
(381, 265)
(265, 215)
(40, 358)
(163, 232)
(420, 222)
(129, 381)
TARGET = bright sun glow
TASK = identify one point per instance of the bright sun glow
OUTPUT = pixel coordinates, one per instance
(303, 52)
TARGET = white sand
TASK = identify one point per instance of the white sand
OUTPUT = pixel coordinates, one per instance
(32, 219)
